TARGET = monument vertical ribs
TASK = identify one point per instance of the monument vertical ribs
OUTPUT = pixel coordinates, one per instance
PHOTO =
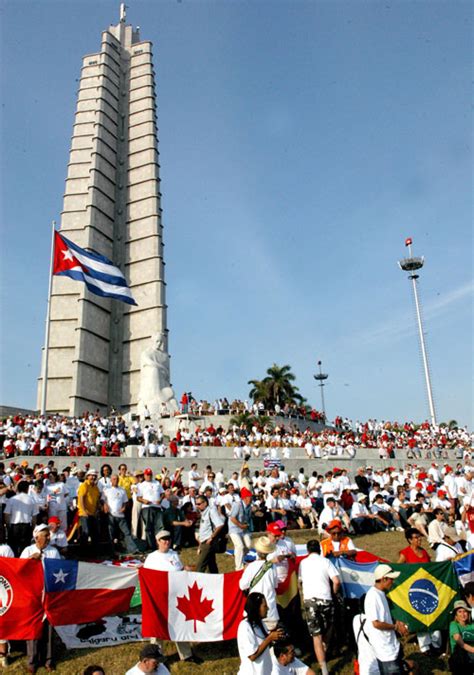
(111, 205)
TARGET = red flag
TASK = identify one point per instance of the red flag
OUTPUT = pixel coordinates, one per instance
(191, 607)
(21, 599)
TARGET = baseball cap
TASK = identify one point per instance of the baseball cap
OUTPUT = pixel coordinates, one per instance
(334, 523)
(150, 652)
(40, 528)
(281, 524)
(383, 571)
(162, 534)
(274, 529)
(54, 519)
(148, 472)
(245, 492)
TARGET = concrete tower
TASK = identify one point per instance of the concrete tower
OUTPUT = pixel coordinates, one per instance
(111, 205)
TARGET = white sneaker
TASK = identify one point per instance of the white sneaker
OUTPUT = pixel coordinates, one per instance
(400, 529)
(4, 661)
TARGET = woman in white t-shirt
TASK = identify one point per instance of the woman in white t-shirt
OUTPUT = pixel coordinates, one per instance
(253, 640)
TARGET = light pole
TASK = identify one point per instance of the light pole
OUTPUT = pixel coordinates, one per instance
(321, 377)
(412, 265)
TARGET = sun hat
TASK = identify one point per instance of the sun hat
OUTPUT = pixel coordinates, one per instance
(361, 496)
(385, 571)
(264, 545)
(91, 472)
(451, 533)
(460, 604)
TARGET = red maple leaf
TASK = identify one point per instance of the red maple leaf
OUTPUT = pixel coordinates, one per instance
(195, 608)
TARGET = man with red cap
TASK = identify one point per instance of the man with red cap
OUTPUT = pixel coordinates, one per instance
(240, 526)
(284, 548)
(57, 536)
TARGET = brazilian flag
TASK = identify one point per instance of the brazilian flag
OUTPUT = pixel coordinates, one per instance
(423, 595)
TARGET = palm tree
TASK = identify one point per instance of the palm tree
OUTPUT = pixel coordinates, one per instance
(276, 388)
(248, 420)
(259, 391)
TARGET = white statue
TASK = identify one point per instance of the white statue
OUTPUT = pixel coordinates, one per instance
(155, 389)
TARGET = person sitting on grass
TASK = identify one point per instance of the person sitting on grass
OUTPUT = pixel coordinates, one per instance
(284, 661)
(150, 658)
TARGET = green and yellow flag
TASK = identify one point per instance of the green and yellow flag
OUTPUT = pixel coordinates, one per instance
(423, 595)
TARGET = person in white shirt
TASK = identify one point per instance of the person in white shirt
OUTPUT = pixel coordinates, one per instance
(149, 495)
(365, 654)
(58, 537)
(253, 640)
(260, 576)
(319, 579)
(380, 627)
(41, 548)
(57, 495)
(436, 528)
(284, 661)
(284, 548)
(150, 657)
(20, 514)
(450, 547)
(164, 559)
(115, 503)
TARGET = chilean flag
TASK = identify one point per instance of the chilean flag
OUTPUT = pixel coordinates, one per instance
(189, 606)
(99, 274)
(21, 599)
(79, 592)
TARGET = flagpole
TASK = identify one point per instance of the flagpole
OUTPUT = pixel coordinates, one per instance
(46, 337)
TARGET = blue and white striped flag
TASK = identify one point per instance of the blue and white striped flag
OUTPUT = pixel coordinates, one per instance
(99, 274)
(356, 578)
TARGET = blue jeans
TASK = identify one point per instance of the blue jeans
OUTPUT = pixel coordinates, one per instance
(115, 523)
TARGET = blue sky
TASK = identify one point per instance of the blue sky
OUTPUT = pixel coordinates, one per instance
(300, 143)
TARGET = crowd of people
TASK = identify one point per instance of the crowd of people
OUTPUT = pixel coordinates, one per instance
(221, 406)
(96, 434)
(50, 512)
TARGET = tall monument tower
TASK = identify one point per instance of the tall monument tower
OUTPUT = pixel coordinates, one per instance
(111, 205)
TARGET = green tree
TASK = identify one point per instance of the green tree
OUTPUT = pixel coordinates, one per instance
(276, 388)
(248, 420)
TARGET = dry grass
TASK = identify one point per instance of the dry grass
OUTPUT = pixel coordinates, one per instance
(222, 658)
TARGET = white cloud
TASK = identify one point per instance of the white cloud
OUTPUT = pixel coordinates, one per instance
(399, 326)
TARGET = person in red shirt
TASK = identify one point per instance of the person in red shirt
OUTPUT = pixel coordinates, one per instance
(414, 552)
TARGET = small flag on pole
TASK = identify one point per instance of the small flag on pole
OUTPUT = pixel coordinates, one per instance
(96, 271)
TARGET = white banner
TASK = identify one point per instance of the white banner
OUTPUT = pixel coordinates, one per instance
(111, 630)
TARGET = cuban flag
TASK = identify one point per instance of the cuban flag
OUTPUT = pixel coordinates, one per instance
(99, 274)
(78, 592)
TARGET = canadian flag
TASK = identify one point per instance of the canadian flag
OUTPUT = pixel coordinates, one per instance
(191, 607)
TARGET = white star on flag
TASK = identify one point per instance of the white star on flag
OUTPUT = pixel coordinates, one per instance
(60, 577)
(67, 254)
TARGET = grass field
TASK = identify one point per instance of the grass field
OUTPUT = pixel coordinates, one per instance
(222, 658)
